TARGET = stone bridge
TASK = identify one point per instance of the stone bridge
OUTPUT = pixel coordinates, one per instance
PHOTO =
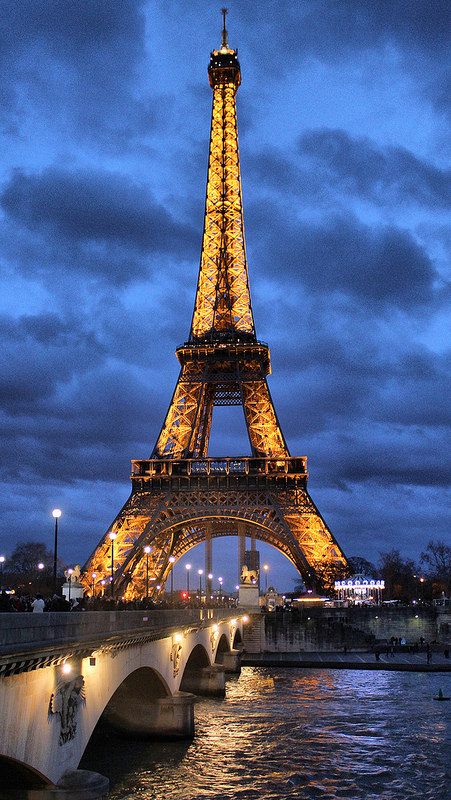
(139, 670)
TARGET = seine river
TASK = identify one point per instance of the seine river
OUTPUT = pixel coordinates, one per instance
(306, 734)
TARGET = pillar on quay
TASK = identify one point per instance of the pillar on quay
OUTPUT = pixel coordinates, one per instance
(170, 717)
(232, 662)
(75, 784)
(206, 681)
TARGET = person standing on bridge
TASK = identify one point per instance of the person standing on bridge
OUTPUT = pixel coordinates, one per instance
(38, 604)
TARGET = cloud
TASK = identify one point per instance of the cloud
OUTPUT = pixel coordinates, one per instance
(85, 55)
(39, 353)
(385, 175)
(92, 221)
(380, 265)
(91, 206)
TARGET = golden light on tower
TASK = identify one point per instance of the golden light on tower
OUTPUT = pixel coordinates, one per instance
(179, 495)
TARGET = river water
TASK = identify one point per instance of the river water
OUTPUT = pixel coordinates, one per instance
(289, 733)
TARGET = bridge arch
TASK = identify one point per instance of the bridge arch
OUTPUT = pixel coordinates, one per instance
(193, 673)
(237, 643)
(134, 700)
(14, 773)
(223, 647)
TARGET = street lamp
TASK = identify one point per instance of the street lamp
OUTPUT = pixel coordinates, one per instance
(93, 576)
(2, 561)
(56, 513)
(172, 562)
(112, 536)
(102, 583)
(200, 572)
(220, 581)
(69, 580)
(147, 551)
(422, 589)
(187, 567)
(266, 568)
(40, 567)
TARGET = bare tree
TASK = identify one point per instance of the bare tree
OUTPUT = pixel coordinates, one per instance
(399, 575)
(437, 561)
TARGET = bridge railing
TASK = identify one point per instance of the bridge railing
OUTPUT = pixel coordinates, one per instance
(21, 631)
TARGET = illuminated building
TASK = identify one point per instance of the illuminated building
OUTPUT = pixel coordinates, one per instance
(360, 589)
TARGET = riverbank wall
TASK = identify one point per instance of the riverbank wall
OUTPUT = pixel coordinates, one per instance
(333, 629)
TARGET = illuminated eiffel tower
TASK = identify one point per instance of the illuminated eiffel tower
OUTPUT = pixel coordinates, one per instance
(180, 497)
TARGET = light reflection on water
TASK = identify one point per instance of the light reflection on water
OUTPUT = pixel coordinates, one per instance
(285, 733)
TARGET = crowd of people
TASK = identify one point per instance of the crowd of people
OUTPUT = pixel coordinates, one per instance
(40, 604)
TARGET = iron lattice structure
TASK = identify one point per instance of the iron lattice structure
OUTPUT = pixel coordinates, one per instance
(180, 496)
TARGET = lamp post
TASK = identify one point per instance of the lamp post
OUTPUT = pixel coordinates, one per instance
(93, 576)
(220, 581)
(112, 536)
(2, 561)
(147, 551)
(208, 587)
(102, 583)
(41, 566)
(266, 568)
(422, 589)
(172, 562)
(56, 513)
(187, 567)
(69, 580)
(200, 572)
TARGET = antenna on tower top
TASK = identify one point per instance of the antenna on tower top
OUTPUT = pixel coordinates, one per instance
(224, 43)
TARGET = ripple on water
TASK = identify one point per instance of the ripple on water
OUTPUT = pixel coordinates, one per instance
(282, 734)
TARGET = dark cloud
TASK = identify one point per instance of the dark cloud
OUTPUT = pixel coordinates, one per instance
(80, 428)
(378, 264)
(39, 353)
(93, 221)
(85, 55)
(93, 206)
(386, 175)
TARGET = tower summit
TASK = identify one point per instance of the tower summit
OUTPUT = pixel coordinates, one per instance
(223, 304)
(181, 497)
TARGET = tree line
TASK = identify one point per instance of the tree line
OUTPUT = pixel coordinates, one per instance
(405, 580)
(30, 569)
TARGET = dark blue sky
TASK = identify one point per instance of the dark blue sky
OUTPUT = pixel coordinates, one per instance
(105, 115)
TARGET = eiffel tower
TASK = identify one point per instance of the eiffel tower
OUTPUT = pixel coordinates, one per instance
(180, 497)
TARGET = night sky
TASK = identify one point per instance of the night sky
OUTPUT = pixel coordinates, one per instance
(105, 115)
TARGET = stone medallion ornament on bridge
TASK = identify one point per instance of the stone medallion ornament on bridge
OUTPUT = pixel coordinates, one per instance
(214, 636)
(181, 497)
(64, 704)
(176, 654)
